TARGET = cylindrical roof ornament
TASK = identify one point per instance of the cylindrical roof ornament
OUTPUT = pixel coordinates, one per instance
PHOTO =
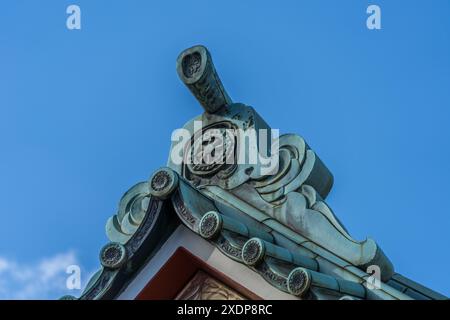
(113, 255)
(196, 69)
(253, 251)
(299, 281)
(162, 183)
(210, 225)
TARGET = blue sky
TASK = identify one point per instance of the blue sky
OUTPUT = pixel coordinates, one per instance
(85, 114)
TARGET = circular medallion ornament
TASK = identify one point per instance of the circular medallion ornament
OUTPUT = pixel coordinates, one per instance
(212, 150)
(253, 251)
(210, 225)
(163, 182)
(113, 255)
(299, 281)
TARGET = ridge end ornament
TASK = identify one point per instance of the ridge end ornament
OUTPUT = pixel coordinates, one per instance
(291, 196)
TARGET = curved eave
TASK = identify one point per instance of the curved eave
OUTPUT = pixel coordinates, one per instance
(334, 278)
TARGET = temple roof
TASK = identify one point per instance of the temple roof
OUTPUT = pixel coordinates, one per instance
(276, 223)
(287, 261)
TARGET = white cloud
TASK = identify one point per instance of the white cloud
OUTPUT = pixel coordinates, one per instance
(45, 279)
